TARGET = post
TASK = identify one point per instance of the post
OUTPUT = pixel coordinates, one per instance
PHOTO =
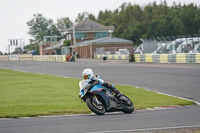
(74, 37)
(8, 46)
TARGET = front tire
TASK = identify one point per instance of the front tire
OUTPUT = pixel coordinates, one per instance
(97, 108)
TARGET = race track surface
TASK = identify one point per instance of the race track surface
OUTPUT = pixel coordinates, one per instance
(181, 80)
(115, 123)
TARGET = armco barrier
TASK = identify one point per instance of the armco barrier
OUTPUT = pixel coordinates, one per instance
(112, 57)
(16, 57)
(148, 58)
(13, 57)
(25, 57)
(168, 58)
(137, 58)
(197, 58)
(191, 58)
(156, 57)
(50, 58)
(4, 57)
(142, 57)
(163, 58)
(180, 58)
(172, 58)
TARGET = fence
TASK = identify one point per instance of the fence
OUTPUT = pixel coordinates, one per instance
(25, 57)
(112, 56)
(159, 58)
(168, 58)
(114, 50)
(50, 58)
(30, 57)
(170, 44)
(16, 57)
(116, 53)
(4, 57)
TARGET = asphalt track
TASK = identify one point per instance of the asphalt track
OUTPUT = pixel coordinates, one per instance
(181, 80)
(113, 123)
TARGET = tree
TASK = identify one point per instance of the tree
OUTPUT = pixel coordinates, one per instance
(17, 50)
(66, 43)
(81, 17)
(63, 24)
(33, 46)
(130, 21)
(190, 16)
(153, 20)
(39, 27)
(105, 17)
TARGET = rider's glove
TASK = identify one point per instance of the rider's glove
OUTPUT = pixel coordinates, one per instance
(96, 82)
(118, 93)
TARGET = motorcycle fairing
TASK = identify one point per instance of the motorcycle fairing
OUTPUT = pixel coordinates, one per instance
(97, 89)
(102, 95)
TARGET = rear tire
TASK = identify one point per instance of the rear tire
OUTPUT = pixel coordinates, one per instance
(128, 106)
(98, 109)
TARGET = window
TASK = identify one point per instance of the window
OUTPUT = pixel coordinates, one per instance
(80, 35)
(100, 34)
(48, 39)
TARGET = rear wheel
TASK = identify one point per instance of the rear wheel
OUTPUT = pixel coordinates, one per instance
(127, 104)
(95, 105)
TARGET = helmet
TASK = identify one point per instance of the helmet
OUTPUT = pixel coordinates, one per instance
(87, 74)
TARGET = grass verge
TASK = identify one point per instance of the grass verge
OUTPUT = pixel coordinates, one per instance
(28, 95)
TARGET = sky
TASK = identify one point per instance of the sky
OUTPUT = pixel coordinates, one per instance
(14, 14)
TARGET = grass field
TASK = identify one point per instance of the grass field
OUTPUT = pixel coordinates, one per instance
(28, 94)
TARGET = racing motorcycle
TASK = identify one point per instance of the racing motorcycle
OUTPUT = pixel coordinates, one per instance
(100, 99)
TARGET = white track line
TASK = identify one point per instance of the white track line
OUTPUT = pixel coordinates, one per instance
(147, 129)
(198, 103)
(179, 97)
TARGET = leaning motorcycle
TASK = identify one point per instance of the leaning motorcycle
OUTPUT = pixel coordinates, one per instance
(100, 99)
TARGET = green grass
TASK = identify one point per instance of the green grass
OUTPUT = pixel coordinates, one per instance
(27, 94)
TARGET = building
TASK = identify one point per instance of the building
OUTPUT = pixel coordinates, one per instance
(91, 36)
(87, 38)
(106, 45)
(50, 45)
(87, 30)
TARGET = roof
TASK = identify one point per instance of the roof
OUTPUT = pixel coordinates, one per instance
(58, 45)
(90, 25)
(105, 40)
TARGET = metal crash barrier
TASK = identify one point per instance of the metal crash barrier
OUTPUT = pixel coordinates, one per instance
(50, 58)
(158, 58)
(16, 57)
(168, 58)
(112, 57)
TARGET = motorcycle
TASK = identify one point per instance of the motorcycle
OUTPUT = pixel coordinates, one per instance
(100, 99)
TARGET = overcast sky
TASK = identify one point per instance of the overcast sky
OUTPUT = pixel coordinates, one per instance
(14, 14)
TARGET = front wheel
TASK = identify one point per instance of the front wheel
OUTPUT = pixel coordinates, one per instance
(127, 104)
(95, 105)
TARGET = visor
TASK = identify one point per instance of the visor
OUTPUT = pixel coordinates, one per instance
(86, 76)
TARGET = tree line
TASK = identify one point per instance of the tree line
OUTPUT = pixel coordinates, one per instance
(131, 21)
(153, 20)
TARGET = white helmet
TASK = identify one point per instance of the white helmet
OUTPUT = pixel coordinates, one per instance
(87, 74)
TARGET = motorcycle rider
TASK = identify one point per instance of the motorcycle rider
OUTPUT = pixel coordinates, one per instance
(88, 76)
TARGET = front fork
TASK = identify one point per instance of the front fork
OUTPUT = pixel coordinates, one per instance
(95, 97)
